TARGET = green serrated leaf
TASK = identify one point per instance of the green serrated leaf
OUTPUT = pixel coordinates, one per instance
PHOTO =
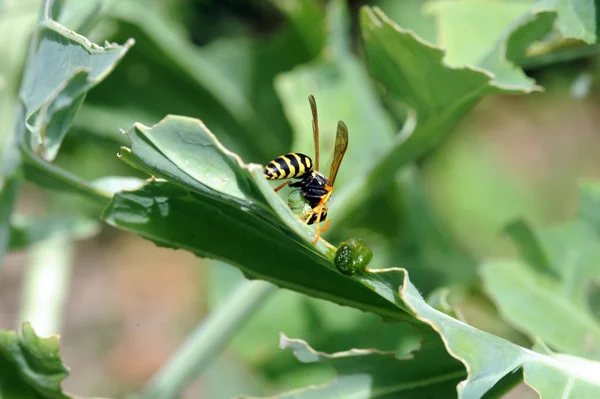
(502, 36)
(216, 206)
(503, 59)
(411, 15)
(537, 34)
(577, 19)
(467, 43)
(439, 96)
(492, 364)
(64, 67)
(61, 68)
(256, 231)
(31, 366)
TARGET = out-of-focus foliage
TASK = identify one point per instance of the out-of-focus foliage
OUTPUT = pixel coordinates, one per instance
(555, 283)
(412, 80)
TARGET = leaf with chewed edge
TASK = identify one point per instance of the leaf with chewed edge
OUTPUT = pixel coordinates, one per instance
(492, 364)
(215, 206)
(369, 373)
(62, 69)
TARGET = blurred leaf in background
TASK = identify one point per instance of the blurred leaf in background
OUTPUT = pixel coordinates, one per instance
(555, 289)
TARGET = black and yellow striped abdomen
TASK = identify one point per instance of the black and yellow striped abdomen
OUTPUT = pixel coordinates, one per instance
(290, 166)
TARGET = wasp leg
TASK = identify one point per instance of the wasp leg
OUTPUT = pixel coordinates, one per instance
(317, 225)
(327, 220)
(282, 185)
(305, 218)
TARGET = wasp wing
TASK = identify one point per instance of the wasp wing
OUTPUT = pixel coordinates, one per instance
(341, 144)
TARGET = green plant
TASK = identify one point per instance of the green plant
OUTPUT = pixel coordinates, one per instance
(184, 169)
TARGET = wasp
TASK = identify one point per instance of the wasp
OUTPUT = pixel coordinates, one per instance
(314, 186)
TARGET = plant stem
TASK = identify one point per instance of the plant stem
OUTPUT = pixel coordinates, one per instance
(564, 55)
(53, 177)
(208, 340)
(46, 284)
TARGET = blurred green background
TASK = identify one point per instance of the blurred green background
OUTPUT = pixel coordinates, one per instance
(245, 68)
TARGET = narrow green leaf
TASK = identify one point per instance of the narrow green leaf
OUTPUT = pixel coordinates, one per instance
(31, 366)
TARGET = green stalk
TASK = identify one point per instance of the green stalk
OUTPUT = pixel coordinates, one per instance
(563, 55)
(46, 284)
(208, 340)
(53, 177)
